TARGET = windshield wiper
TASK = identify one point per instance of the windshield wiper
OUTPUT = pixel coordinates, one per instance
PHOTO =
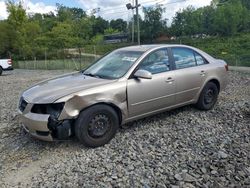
(92, 75)
(98, 76)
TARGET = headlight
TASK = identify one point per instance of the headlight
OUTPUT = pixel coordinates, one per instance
(54, 109)
(22, 104)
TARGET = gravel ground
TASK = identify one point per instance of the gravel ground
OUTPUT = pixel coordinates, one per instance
(181, 148)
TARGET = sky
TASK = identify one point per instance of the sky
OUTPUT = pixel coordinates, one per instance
(109, 9)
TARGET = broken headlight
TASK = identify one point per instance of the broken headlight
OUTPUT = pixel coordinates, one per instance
(53, 109)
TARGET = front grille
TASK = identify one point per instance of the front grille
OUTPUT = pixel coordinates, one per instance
(22, 104)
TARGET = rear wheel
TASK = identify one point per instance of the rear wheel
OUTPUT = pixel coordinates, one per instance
(1, 71)
(96, 125)
(208, 97)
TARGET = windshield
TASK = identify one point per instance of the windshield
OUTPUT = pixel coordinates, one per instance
(114, 65)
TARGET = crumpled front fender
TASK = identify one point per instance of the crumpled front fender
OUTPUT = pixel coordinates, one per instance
(113, 94)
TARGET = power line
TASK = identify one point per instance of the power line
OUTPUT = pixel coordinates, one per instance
(170, 3)
(104, 10)
(119, 12)
(151, 1)
(114, 12)
(123, 7)
(174, 2)
(103, 13)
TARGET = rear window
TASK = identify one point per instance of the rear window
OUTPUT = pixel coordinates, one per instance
(183, 58)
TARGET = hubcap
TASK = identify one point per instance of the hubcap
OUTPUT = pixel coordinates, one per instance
(99, 125)
(209, 96)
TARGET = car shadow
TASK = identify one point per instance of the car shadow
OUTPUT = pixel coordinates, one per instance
(24, 139)
(161, 115)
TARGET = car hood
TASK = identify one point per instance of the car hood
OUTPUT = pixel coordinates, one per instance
(51, 90)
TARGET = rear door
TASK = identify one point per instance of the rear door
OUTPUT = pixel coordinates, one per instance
(149, 95)
(188, 72)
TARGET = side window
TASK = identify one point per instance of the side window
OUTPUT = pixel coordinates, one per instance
(156, 62)
(199, 59)
(183, 58)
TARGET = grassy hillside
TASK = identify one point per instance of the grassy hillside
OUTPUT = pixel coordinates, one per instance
(235, 50)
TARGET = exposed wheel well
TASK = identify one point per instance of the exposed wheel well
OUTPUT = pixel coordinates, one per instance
(216, 82)
(116, 108)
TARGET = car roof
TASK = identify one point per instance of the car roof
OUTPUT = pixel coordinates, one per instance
(144, 48)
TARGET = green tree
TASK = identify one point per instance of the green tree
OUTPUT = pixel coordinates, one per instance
(17, 19)
(191, 21)
(228, 18)
(222, 17)
(17, 14)
(46, 21)
(68, 14)
(110, 31)
(61, 36)
(6, 39)
(83, 29)
(119, 24)
(153, 23)
(99, 25)
(32, 32)
(97, 39)
(207, 20)
(246, 3)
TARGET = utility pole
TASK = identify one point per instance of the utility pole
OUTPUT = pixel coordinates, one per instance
(129, 6)
(138, 24)
(133, 24)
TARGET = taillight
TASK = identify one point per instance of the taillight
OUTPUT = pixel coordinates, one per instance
(9, 61)
(226, 67)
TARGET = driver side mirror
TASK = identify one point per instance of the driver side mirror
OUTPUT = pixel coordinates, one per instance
(143, 74)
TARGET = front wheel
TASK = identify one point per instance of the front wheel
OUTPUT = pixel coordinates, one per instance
(96, 125)
(1, 71)
(208, 96)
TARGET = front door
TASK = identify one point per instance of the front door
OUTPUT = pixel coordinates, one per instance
(149, 95)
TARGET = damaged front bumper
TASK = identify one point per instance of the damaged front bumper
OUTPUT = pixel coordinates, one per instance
(43, 126)
(37, 125)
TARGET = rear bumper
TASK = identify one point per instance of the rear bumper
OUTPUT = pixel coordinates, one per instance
(37, 126)
(8, 69)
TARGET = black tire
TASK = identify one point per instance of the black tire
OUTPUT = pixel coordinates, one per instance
(208, 97)
(96, 125)
(1, 71)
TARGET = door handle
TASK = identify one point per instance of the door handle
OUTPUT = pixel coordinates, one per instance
(169, 80)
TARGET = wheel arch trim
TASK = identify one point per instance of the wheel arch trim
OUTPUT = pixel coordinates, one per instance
(211, 79)
(112, 105)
